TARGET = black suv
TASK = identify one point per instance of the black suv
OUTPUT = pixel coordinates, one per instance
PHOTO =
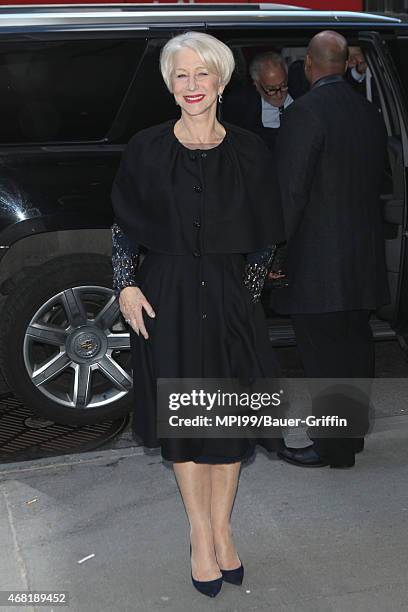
(76, 83)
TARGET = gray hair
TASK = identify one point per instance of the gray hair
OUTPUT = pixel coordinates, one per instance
(215, 55)
(269, 57)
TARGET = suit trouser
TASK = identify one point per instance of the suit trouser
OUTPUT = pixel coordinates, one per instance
(338, 345)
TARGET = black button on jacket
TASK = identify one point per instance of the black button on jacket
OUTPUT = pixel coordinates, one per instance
(159, 188)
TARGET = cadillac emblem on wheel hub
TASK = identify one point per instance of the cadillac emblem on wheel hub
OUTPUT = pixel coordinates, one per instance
(87, 345)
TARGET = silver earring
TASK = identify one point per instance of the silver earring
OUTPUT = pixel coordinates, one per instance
(220, 98)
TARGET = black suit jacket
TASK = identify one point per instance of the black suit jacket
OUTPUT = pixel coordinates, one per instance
(243, 107)
(331, 152)
(359, 86)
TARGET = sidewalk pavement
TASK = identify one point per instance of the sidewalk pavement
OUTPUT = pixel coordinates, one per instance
(311, 540)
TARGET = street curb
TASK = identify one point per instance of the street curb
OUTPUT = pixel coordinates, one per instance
(68, 460)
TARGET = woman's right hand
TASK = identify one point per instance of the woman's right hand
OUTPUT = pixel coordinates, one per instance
(132, 302)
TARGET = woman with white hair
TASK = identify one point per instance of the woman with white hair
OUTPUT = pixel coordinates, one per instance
(200, 199)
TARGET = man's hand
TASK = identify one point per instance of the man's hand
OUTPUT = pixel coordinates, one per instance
(132, 302)
(276, 275)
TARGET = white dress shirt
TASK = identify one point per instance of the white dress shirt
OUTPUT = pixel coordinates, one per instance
(270, 114)
(357, 76)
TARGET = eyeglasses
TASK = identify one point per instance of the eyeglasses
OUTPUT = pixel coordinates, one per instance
(274, 91)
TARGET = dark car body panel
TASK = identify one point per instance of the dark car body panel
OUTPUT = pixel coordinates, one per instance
(58, 186)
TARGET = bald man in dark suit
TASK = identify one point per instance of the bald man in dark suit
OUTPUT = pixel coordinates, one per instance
(331, 153)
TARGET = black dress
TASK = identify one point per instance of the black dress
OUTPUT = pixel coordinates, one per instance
(177, 204)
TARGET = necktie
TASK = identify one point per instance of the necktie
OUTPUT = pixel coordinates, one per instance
(281, 109)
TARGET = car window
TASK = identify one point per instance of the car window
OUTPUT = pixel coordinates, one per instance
(148, 102)
(63, 90)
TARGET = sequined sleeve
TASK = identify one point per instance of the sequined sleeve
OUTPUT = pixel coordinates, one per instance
(125, 257)
(256, 269)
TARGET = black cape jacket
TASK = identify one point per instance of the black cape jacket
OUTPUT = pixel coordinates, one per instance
(157, 183)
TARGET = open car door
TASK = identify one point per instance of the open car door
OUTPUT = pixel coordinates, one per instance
(394, 105)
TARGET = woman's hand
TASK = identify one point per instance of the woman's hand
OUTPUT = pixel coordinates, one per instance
(132, 302)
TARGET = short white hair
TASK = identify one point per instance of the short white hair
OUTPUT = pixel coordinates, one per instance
(214, 54)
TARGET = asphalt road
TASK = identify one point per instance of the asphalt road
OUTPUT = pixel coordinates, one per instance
(110, 529)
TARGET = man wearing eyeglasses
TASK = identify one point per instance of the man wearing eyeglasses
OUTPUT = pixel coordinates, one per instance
(260, 107)
(269, 75)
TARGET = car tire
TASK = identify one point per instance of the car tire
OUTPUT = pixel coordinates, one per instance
(90, 363)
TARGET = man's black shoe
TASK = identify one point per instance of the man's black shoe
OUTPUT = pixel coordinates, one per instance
(358, 445)
(304, 457)
(309, 457)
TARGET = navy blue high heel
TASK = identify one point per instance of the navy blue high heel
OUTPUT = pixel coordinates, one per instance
(234, 576)
(211, 588)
